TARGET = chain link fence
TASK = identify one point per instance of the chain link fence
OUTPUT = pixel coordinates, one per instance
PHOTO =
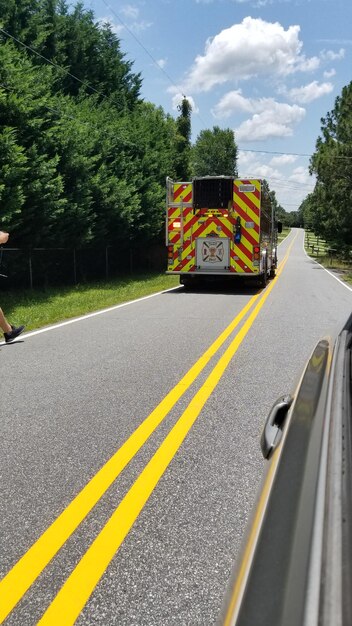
(44, 267)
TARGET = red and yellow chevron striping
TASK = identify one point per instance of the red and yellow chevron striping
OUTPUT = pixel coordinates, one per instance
(183, 192)
(185, 227)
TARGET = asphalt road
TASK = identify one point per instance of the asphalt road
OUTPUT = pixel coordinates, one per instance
(153, 538)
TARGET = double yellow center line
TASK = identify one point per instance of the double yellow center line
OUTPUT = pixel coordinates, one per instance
(77, 589)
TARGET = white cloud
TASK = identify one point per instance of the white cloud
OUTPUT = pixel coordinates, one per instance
(329, 73)
(252, 48)
(259, 4)
(162, 63)
(177, 99)
(116, 28)
(230, 103)
(307, 65)
(245, 160)
(330, 55)
(283, 159)
(130, 14)
(250, 164)
(129, 11)
(308, 93)
(337, 42)
(290, 186)
(234, 101)
(256, 4)
(269, 118)
(138, 27)
(275, 120)
(301, 175)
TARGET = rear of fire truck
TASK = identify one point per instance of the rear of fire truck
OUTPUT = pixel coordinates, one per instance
(220, 226)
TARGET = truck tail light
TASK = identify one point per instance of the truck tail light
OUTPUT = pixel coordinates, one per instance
(256, 253)
(176, 224)
(170, 252)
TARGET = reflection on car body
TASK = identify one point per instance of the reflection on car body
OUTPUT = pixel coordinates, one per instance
(296, 563)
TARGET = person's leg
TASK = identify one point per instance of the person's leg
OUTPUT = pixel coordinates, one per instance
(10, 332)
(4, 325)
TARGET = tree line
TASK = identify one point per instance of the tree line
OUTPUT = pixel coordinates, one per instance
(328, 209)
(83, 159)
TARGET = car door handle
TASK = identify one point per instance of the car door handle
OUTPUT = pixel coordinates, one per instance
(274, 424)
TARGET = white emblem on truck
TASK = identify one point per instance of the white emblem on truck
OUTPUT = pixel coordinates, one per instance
(213, 251)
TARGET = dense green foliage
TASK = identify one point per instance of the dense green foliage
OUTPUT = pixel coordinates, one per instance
(328, 210)
(82, 158)
(288, 219)
(183, 142)
(215, 153)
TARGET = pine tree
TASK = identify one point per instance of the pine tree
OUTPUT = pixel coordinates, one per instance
(182, 165)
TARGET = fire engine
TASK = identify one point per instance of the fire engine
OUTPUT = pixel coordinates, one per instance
(220, 226)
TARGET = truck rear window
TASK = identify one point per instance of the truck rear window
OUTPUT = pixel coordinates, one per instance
(212, 193)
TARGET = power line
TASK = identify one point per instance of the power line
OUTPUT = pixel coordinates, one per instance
(276, 181)
(281, 184)
(141, 44)
(100, 93)
(172, 82)
(291, 184)
(299, 154)
(84, 83)
(45, 106)
(169, 78)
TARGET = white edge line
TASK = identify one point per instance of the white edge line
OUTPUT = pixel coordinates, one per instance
(324, 268)
(88, 315)
(119, 306)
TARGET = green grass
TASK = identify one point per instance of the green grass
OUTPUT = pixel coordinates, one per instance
(319, 250)
(315, 246)
(38, 308)
(281, 236)
(343, 268)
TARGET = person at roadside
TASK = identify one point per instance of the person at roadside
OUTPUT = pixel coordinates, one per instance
(10, 331)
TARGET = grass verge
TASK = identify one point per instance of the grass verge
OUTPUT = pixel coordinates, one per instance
(285, 232)
(341, 268)
(38, 308)
(319, 250)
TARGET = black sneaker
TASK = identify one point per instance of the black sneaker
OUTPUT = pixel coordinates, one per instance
(13, 334)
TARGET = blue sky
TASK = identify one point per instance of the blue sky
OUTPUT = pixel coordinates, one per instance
(268, 69)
